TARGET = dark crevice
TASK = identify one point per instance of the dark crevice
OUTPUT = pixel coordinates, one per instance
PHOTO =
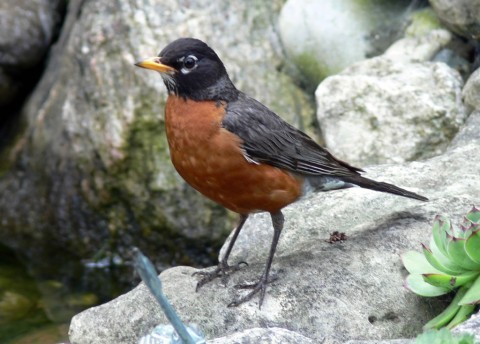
(27, 79)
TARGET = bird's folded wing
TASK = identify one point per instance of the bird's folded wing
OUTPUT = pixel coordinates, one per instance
(268, 139)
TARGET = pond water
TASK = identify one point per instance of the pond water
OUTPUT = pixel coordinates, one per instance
(37, 309)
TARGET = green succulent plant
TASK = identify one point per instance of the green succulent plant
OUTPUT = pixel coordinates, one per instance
(444, 336)
(450, 262)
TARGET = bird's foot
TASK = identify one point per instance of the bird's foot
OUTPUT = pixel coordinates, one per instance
(222, 271)
(258, 287)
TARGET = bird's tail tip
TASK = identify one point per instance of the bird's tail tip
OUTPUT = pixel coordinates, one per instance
(413, 195)
(386, 187)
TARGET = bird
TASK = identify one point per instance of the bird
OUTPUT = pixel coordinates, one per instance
(237, 152)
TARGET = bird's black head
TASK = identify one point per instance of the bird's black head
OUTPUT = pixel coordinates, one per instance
(191, 69)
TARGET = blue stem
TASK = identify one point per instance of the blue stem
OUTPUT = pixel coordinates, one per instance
(148, 274)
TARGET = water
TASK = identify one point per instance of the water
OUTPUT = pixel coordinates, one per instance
(37, 309)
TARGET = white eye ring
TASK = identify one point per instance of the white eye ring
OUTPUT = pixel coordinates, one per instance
(189, 63)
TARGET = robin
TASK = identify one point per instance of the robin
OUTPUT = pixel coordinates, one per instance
(237, 152)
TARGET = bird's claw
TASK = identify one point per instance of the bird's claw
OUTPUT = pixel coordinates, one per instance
(222, 271)
(258, 287)
(254, 285)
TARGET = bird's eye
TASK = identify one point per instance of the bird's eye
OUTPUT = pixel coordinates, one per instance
(190, 62)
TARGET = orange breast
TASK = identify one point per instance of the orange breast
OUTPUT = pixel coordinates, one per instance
(210, 159)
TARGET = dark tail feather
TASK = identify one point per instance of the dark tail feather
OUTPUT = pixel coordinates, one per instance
(383, 187)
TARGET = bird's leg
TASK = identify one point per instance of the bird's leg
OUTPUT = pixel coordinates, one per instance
(261, 285)
(223, 270)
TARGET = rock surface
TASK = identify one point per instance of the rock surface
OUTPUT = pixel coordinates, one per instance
(272, 335)
(393, 341)
(471, 326)
(419, 48)
(471, 90)
(462, 16)
(355, 286)
(393, 108)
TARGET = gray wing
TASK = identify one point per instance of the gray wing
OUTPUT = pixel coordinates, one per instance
(269, 139)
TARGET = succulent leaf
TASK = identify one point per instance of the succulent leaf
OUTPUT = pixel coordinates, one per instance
(472, 246)
(463, 313)
(432, 259)
(445, 261)
(416, 284)
(448, 281)
(448, 313)
(439, 234)
(472, 296)
(474, 215)
(456, 251)
(444, 336)
(416, 263)
(451, 262)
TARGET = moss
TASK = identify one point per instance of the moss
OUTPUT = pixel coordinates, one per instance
(146, 157)
(146, 149)
(373, 121)
(312, 70)
(142, 193)
(46, 334)
(15, 306)
(422, 22)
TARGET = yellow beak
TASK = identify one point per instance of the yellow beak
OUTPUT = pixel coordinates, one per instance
(155, 64)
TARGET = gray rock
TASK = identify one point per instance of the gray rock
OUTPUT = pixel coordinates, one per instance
(337, 292)
(470, 131)
(426, 39)
(472, 90)
(272, 335)
(393, 341)
(462, 16)
(470, 326)
(419, 48)
(28, 27)
(324, 37)
(390, 108)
